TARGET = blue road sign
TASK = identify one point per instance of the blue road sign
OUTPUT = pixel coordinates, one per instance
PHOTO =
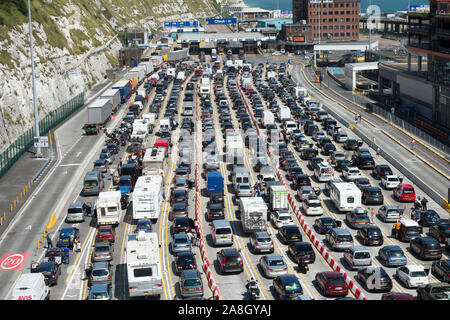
(221, 21)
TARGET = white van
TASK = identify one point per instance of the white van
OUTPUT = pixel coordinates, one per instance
(221, 232)
(240, 175)
(164, 125)
(31, 286)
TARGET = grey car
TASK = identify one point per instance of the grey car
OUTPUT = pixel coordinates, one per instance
(357, 218)
(100, 292)
(260, 241)
(108, 156)
(273, 265)
(244, 190)
(191, 284)
(101, 273)
(304, 192)
(103, 251)
(181, 243)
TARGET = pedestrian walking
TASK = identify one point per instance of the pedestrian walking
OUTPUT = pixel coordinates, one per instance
(111, 173)
(378, 151)
(164, 193)
(413, 142)
(372, 142)
(424, 203)
(373, 215)
(49, 241)
(360, 118)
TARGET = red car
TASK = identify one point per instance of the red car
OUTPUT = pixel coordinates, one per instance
(332, 283)
(105, 233)
(405, 193)
(397, 296)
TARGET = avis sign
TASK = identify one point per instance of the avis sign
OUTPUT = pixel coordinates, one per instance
(13, 261)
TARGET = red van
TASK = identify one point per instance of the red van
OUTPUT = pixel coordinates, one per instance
(405, 193)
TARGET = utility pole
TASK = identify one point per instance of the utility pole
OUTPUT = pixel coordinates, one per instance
(36, 111)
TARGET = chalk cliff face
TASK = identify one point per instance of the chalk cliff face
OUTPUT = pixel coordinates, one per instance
(75, 41)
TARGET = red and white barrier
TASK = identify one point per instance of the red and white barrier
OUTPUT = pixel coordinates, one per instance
(198, 226)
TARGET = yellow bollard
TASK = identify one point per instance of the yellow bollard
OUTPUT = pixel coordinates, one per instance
(1, 221)
(20, 195)
(4, 214)
(38, 245)
(11, 207)
(14, 203)
(17, 199)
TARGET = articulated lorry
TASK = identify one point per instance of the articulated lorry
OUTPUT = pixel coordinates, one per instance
(99, 112)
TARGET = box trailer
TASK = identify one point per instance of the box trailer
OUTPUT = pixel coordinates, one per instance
(99, 111)
(178, 55)
(133, 77)
(125, 89)
(141, 72)
(114, 95)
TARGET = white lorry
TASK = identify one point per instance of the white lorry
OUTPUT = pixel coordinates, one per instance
(253, 212)
(143, 265)
(278, 197)
(181, 76)
(108, 207)
(154, 161)
(346, 196)
(205, 87)
(147, 197)
(235, 150)
(140, 130)
(31, 286)
(268, 118)
(151, 120)
(284, 113)
(164, 125)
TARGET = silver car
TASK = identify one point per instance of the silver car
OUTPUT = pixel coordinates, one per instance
(108, 156)
(339, 239)
(181, 242)
(304, 192)
(101, 273)
(273, 265)
(103, 251)
(244, 190)
(260, 241)
(191, 283)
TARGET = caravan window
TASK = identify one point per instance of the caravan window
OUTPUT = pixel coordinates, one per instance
(350, 199)
(143, 272)
(112, 209)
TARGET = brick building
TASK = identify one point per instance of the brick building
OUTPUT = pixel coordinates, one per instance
(338, 19)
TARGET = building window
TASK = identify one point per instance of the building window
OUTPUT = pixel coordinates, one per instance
(348, 34)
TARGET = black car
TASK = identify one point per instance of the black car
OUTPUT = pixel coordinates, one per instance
(178, 195)
(441, 269)
(372, 195)
(440, 231)
(185, 261)
(370, 235)
(342, 164)
(350, 144)
(289, 234)
(50, 270)
(215, 211)
(364, 161)
(428, 218)
(426, 248)
(181, 225)
(293, 171)
(362, 183)
(328, 148)
(308, 153)
(302, 252)
(381, 170)
(301, 180)
(230, 261)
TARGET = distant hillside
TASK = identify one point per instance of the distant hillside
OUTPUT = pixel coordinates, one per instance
(75, 41)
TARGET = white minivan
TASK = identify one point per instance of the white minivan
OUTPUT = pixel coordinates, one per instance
(31, 286)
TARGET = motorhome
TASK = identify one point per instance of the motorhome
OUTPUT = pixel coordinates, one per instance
(108, 208)
(154, 161)
(143, 261)
(147, 197)
(346, 196)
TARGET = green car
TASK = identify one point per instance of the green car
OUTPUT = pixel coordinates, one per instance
(434, 291)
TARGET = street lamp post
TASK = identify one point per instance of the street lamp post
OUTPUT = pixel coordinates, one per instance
(36, 112)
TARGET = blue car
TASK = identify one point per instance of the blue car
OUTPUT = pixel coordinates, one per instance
(181, 243)
(100, 292)
(392, 256)
(429, 218)
(143, 225)
(124, 185)
(65, 237)
(287, 287)
(323, 225)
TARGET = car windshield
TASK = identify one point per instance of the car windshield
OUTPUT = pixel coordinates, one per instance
(223, 231)
(344, 237)
(336, 280)
(99, 273)
(104, 231)
(284, 217)
(418, 274)
(192, 282)
(408, 191)
(362, 255)
(314, 204)
(392, 179)
(179, 206)
(291, 231)
(102, 249)
(275, 263)
(181, 240)
(232, 258)
(396, 253)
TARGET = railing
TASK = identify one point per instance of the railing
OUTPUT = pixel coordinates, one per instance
(18, 147)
